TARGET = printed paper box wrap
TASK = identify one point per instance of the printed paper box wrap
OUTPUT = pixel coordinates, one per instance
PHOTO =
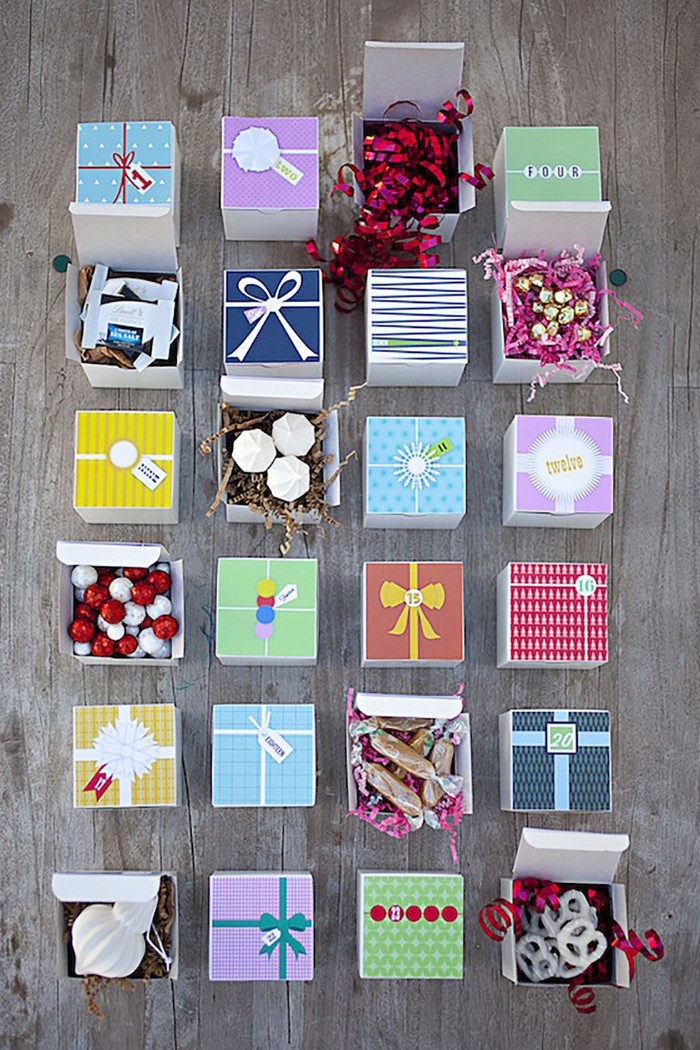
(125, 163)
(413, 612)
(263, 755)
(126, 467)
(126, 755)
(273, 323)
(416, 327)
(266, 611)
(555, 760)
(269, 180)
(545, 164)
(261, 926)
(552, 614)
(415, 472)
(410, 925)
(558, 471)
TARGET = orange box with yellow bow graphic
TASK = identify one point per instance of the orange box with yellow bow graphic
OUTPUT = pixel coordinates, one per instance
(413, 612)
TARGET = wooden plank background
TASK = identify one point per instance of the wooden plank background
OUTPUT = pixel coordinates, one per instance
(628, 66)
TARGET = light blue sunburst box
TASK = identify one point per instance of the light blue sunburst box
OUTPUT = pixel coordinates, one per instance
(415, 472)
(263, 755)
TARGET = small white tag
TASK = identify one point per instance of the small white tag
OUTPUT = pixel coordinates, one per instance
(288, 594)
(275, 745)
(288, 171)
(271, 937)
(139, 178)
(149, 473)
(254, 314)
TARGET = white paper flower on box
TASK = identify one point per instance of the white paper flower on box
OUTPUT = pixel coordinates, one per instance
(289, 478)
(293, 434)
(125, 749)
(103, 946)
(253, 451)
(256, 149)
(416, 468)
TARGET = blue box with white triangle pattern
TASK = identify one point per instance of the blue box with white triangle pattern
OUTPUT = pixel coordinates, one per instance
(125, 162)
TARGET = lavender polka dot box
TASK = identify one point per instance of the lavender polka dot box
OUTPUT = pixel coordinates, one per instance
(558, 471)
(414, 472)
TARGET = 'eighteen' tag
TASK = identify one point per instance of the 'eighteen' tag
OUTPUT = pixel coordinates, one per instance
(149, 473)
(287, 594)
(288, 171)
(275, 745)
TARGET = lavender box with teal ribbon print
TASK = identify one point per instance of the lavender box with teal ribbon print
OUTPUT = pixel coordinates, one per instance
(273, 323)
(125, 162)
(261, 926)
(555, 760)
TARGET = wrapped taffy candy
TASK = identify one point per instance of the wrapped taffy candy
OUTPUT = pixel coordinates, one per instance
(441, 758)
(421, 741)
(402, 724)
(403, 755)
(395, 791)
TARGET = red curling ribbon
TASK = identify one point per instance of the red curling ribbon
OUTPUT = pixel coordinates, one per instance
(536, 894)
(496, 918)
(633, 945)
(581, 997)
(481, 172)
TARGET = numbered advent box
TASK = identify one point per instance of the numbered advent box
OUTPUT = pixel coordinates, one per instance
(555, 760)
(552, 614)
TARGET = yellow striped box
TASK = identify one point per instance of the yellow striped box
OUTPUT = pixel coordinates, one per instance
(126, 755)
(127, 467)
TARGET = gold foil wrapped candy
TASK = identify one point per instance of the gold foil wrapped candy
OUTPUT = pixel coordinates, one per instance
(537, 307)
(536, 279)
(566, 315)
(546, 295)
(552, 329)
(551, 312)
(562, 295)
(523, 284)
(584, 334)
(538, 330)
(581, 308)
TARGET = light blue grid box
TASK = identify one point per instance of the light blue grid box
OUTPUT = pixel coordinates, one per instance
(244, 773)
(112, 154)
(407, 485)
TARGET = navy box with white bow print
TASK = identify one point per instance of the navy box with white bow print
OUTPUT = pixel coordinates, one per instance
(273, 320)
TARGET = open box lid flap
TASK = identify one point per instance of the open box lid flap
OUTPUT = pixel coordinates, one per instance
(425, 74)
(140, 555)
(289, 394)
(106, 886)
(392, 706)
(137, 237)
(535, 225)
(569, 856)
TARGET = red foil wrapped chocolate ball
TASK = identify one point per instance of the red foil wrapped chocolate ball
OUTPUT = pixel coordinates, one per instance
(96, 594)
(106, 577)
(160, 580)
(82, 629)
(143, 593)
(146, 622)
(103, 646)
(165, 627)
(112, 611)
(88, 612)
(127, 645)
(135, 574)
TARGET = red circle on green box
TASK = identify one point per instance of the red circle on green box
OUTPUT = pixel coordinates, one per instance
(377, 913)
(395, 913)
(449, 913)
(431, 913)
(265, 601)
(413, 913)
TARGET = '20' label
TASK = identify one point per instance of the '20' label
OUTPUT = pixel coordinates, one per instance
(561, 738)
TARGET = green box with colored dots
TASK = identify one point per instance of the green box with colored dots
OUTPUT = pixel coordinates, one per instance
(266, 611)
(410, 925)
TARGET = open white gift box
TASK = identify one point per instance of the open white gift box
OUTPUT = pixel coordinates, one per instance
(532, 227)
(426, 76)
(108, 887)
(305, 396)
(137, 239)
(582, 858)
(117, 555)
(383, 705)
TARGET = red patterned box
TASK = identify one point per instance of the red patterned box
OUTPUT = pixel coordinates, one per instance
(552, 614)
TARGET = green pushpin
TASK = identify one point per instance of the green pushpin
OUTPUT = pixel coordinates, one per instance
(618, 277)
(61, 263)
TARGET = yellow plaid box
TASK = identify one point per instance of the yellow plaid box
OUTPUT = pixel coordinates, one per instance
(125, 755)
(109, 446)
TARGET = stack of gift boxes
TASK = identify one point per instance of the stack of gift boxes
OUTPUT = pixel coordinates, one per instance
(408, 757)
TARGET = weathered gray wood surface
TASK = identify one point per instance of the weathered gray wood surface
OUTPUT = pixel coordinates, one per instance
(629, 67)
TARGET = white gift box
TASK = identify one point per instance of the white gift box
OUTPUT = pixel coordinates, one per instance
(426, 75)
(136, 239)
(388, 705)
(117, 555)
(416, 327)
(108, 887)
(292, 395)
(535, 226)
(558, 471)
(578, 857)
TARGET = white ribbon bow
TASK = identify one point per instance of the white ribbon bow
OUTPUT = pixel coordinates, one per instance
(262, 729)
(273, 304)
